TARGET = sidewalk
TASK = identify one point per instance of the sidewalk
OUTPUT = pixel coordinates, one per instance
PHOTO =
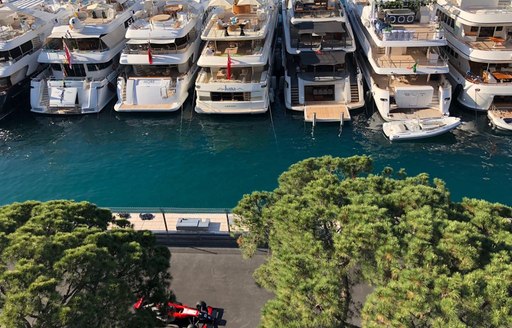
(168, 222)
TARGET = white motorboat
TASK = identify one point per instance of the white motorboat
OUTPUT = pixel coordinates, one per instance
(160, 57)
(413, 129)
(500, 118)
(83, 51)
(321, 76)
(237, 61)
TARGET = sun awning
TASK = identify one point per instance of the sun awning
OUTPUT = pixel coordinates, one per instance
(154, 41)
(311, 58)
(320, 27)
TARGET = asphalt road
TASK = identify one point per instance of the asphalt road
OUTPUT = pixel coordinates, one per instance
(221, 278)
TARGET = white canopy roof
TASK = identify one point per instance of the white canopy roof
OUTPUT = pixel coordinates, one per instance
(221, 3)
(250, 2)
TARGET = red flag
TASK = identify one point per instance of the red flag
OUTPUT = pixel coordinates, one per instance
(150, 56)
(229, 68)
(67, 54)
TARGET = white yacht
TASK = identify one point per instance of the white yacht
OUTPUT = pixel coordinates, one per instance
(403, 67)
(83, 52)
(160, 55)
(321, 76)
(236, 62)
(479, 37)
(24, 25)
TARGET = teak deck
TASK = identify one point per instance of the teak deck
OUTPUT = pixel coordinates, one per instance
(326, 112)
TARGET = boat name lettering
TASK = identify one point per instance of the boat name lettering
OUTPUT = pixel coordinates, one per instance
(149, 82)
(226, 88)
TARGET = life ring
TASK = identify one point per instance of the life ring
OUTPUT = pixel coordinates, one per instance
(401, 19)
(410, 19)
(391, 19)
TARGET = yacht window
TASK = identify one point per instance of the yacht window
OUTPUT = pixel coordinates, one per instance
(56, 67)
(227, 96)
(181, 41)
(89, 44)
(27, 47)
(474, 29)
(4, 56)
(5, 83)
(76, 70)
(16, 52)
(98, 66)
(53, 44)
(499, 28)
(486, 32)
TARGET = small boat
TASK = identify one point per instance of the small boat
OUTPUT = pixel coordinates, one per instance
(501, 119)
(419, 128)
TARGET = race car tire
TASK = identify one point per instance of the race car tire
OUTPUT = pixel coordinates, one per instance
(201, 305)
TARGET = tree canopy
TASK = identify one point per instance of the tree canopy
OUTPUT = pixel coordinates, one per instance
(332, 224)
(61, 267)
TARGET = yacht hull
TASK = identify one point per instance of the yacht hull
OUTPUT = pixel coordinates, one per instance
(71, 96)
(10, 100)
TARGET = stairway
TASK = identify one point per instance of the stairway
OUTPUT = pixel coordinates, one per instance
(123, 94)
(354, 93)
(435, 100)
(295, 95)
(45, 100)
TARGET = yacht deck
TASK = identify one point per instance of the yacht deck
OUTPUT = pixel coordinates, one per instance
(326, 112)
(403, 80)
(14, 24)
(409, 59)
(491, 44)
(415, 113)
(243, 21)
(411, 32)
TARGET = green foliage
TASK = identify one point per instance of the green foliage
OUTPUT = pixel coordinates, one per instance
(61, 267)
(331, 225)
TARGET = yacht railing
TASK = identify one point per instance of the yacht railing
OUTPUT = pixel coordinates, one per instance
(409, 35)
(220, 77)
(431, 59)
(11, 61)
(318, 13)
(144, 50)
(326, 44)
(501, 78)
(317, 9)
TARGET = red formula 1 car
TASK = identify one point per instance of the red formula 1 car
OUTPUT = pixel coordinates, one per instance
(202, 316)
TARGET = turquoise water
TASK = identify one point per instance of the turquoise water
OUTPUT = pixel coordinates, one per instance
(188, 160)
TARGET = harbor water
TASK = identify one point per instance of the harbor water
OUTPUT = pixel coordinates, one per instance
(188, 160)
